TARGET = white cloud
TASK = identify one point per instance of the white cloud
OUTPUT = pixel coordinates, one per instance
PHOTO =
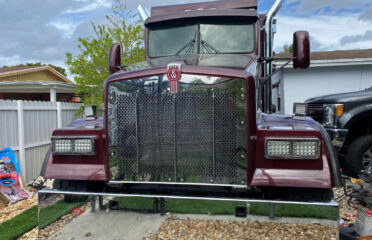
(327, 30)
(10, 61)
(312, 5)
(90, 7)
(68, 27)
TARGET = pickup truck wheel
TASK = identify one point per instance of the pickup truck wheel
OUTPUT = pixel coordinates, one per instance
(359, 155)
(71, 185)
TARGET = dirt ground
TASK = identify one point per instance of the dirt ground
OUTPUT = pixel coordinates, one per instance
(3, 204)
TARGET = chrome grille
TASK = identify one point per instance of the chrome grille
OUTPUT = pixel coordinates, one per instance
(196, 136)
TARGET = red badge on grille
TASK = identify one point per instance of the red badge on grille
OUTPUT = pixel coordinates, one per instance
(174, 75)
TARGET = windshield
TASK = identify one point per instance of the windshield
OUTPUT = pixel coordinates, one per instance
(202, 37)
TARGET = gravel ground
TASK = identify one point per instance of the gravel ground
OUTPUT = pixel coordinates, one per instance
(208, 229)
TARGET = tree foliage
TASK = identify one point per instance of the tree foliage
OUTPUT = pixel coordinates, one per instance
(288, 48)
(38, 64)
(90, 66)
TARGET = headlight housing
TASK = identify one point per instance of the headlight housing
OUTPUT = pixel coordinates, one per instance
(331, 112)
(292, 148)
(73, 146)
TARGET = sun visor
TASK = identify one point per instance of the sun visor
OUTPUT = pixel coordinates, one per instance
(203, 14)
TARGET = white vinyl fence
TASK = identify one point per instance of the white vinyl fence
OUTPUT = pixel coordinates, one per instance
(26, 127)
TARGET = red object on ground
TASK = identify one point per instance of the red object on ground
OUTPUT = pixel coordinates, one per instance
(77, 211)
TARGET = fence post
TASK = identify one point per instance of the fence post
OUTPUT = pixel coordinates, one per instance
(21, 137)
(59, 115)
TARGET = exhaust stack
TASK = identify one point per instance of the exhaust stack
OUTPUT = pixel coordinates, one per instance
(142, 13)
(269, 45)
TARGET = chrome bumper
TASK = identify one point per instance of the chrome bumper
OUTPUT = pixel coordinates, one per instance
(338, 137)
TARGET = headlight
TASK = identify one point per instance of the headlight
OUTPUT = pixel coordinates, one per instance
(304, 148)
(73, 146)
(331, 112)
(300, 109)
(62, 145)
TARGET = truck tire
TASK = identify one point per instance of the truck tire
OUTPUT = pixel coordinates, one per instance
(359, 155)
(71, 185)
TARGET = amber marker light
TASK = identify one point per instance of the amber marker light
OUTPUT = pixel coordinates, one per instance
(339, 110)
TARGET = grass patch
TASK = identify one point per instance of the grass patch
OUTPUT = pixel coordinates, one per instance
(52, 213)
(228, 208)
(28, 220)
(19, 225)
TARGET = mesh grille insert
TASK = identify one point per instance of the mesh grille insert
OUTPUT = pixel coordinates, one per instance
(186, 137)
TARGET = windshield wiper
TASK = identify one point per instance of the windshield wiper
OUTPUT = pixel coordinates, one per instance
(208, 47)
(189, 45)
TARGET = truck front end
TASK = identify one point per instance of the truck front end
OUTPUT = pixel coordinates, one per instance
(197, 112)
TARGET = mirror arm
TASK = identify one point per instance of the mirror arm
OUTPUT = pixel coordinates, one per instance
(122, 67)
(263, 80)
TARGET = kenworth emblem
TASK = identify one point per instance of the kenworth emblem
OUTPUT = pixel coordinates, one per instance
(174, 75)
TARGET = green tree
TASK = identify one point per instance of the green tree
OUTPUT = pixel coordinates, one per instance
(90, 66)
(288, 48)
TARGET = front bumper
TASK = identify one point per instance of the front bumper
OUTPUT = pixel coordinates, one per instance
(338, 137)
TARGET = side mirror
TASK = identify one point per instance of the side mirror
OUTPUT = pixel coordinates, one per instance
(114, 58)
(301, 49)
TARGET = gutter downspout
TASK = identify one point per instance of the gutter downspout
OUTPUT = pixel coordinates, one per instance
(269, 46)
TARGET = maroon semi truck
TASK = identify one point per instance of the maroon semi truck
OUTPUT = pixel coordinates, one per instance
(197, 114)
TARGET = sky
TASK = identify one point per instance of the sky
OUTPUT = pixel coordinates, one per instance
(44, 30)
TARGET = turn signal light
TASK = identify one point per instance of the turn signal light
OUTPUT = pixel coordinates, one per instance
(339, 109)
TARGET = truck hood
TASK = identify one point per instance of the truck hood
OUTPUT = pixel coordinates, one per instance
(349, 97)
(285, 122)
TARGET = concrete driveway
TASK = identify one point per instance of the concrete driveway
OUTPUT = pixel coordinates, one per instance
(112, 225)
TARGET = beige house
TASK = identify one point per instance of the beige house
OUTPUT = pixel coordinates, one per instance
(36, 83)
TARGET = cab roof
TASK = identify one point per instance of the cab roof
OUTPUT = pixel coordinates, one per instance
(224, 4)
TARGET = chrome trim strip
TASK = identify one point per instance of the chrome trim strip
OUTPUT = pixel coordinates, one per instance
(180, 183)
(50, 191)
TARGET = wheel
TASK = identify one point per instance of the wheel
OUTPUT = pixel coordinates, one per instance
(71, 185)
(359, 155)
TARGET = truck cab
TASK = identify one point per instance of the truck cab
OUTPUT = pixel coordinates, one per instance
(197, 113)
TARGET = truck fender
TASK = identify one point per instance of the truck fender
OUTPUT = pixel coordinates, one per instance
(46, 158)
(350, 117)
(335, 165)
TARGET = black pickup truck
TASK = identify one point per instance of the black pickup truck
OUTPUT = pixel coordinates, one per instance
(347, 118)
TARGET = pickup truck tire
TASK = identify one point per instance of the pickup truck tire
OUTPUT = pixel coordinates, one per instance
(359, 155)
(71, 185)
